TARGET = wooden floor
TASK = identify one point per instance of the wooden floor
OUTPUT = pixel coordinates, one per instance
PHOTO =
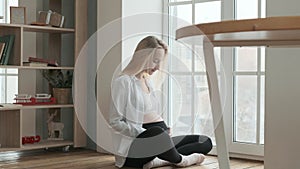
(88, 159)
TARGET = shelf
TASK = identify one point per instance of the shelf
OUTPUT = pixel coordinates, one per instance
(47, 144)
(33, 67)
(48, 67)
(60, 44)
(43, 29)
(40, 145)
(21, 107)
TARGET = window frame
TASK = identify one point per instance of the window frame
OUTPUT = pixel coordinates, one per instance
(253, 151)
(194, 73)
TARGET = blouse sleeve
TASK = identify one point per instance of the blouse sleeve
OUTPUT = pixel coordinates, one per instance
(117, 118)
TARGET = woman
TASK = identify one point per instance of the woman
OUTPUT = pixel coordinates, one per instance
(134, 103)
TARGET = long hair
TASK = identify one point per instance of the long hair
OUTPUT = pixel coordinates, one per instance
(143, 53)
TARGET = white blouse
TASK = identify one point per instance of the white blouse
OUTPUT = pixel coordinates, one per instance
(130, 104)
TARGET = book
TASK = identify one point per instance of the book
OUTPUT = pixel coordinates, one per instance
(35, 64)
(42, 96)
(2, 45)
(50, 62)
(9, 42)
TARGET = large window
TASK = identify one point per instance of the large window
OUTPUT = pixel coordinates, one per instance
(248, 84)
(189, 100)
(190, 104)
(8, 77)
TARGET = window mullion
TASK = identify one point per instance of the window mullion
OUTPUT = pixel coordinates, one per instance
(258, 125)
(259, 8)
(6, 11)
(5, 85)
(170, 118)
(193, 102)
(192, 74)
(193, 11)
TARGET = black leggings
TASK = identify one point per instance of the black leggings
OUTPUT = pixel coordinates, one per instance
(186, 145)
(142, 150)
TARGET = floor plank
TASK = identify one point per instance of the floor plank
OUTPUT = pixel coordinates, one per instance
(89, 159)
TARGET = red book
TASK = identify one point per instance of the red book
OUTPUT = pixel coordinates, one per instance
(50, 62)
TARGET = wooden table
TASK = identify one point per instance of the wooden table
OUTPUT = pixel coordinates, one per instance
(272, 31)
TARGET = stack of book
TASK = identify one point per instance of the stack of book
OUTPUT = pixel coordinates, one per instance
(40, 62)
(42, 98)
(6, 46)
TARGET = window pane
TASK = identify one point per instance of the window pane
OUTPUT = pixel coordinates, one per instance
(208, 12)
(262, 111)
(2, 89)
(246, 59)
(12, 88)
(2, 11)
(263, 8)
(12, 71)
(199, 59)
(203, 116)
(180, 57)
(246, 9)
(2, 70)
(263, 58)
(245, 109)
(180, 16)
(181, 99)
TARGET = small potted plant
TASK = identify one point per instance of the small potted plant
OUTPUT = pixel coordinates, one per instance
(61, 82)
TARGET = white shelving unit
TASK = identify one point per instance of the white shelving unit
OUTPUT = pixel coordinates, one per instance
(11, 123)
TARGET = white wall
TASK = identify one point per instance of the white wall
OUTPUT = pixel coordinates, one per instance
(114, 17)
(282, 97)
(108, 12)
(140, 18)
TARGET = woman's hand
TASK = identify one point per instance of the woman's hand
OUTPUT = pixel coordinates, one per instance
(169, 131)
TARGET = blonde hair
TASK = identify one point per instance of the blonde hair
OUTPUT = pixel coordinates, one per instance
(143, 53)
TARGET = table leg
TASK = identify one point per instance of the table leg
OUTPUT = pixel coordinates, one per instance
(215, 99)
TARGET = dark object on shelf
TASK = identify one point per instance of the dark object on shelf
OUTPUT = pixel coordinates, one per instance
(50, 62)
(9, 43)
(56, 20)
(58, 78)
(61, 83)
(38, 24)
(44, 17)
(35, 64)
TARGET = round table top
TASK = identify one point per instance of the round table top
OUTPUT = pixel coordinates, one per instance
(271, 31)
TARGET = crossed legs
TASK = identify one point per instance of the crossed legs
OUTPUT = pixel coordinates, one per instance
(155, 142)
